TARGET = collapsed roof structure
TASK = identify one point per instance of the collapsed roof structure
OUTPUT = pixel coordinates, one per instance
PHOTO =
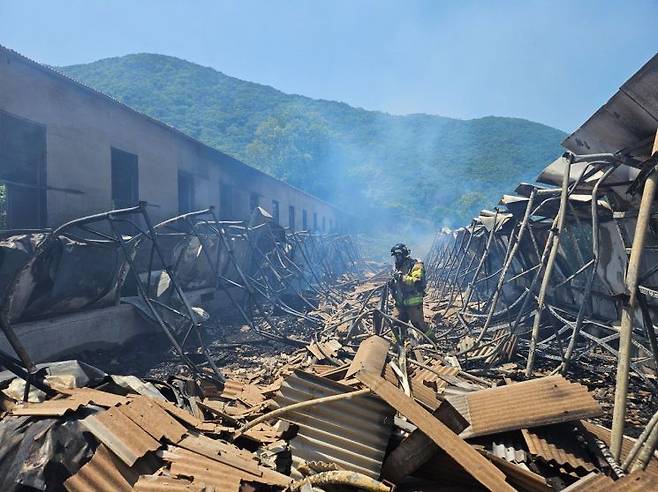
(543, 280)
(565, 270)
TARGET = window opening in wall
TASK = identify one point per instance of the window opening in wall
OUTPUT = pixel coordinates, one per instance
(225, 201)
(315, 221)
(324, 224)
(185, 192)
(291, 218)
(253, 201)
(304, 220)
(125, 179)
(275, 211)
(22, 173)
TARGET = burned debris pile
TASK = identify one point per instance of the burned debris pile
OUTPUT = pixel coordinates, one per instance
(560, 277)
(352, 408)
(291, 372)
(354, 403)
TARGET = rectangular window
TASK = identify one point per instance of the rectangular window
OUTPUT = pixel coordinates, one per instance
(315, 221)
(324, 224)
(185, 192)
(254, 201)
(304, 221)
(291, 218)
(275, 212)
(125, 179)
(22, 173)
(225, 201)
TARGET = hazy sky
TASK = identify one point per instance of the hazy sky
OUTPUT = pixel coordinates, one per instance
(551, 61)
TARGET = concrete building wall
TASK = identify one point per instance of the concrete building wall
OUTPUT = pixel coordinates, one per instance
(82, 126)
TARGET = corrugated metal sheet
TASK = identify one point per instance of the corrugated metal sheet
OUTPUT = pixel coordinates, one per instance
(152, 483)
(370, 356)
(627, 443)
(180, 414)
(223, 477)
(124, 437)
(640, 481)
(508, 445)
(103, 473)
(532, 403)
(449, 375)
(424, 394)
(629, 117)
(322, 350)
(222, 452)
(153, 419)
(520, 477)
(594, 482)
(48, 408)
(352, 433)
(460, 451)
(556, 444)
(78, 398)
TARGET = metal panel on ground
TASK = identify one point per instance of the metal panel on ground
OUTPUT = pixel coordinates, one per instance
(460, 451)
(352, 433)
(555, 443)
(103, 473)
(534, 403)
(124, 437)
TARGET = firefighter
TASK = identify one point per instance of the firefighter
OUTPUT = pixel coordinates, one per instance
(408, 288)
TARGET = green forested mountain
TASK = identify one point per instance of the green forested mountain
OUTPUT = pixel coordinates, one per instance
(419, 165)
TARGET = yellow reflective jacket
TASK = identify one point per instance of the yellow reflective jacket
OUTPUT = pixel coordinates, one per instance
(412, 282)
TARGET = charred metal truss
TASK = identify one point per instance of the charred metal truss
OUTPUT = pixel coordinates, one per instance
(121, 256)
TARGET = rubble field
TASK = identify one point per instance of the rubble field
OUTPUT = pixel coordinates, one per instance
(348, 404)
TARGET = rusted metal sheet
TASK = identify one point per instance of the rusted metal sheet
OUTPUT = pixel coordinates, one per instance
(424, 394)
(215, 473)
(352, 433)
(222, 452)
(603, 433)
(78, 398)
(639, 481)
(159, 483)
(371, 356)
(474, 463)
(153, 419)
(594, 482)
(105, 472)
(437, 367)
(521, 478)
(49, 407)
(556, 444)
(533, 403)
(124, 437)
(180, 414)
(323, 350)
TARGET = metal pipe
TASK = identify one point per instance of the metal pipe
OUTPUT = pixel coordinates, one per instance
(508, 264)
(549, 266)
(296, 406)
(628, 310)
(485, 253)
(592, 274)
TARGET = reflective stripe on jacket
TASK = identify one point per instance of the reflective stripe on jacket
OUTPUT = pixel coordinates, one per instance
(412, 283)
